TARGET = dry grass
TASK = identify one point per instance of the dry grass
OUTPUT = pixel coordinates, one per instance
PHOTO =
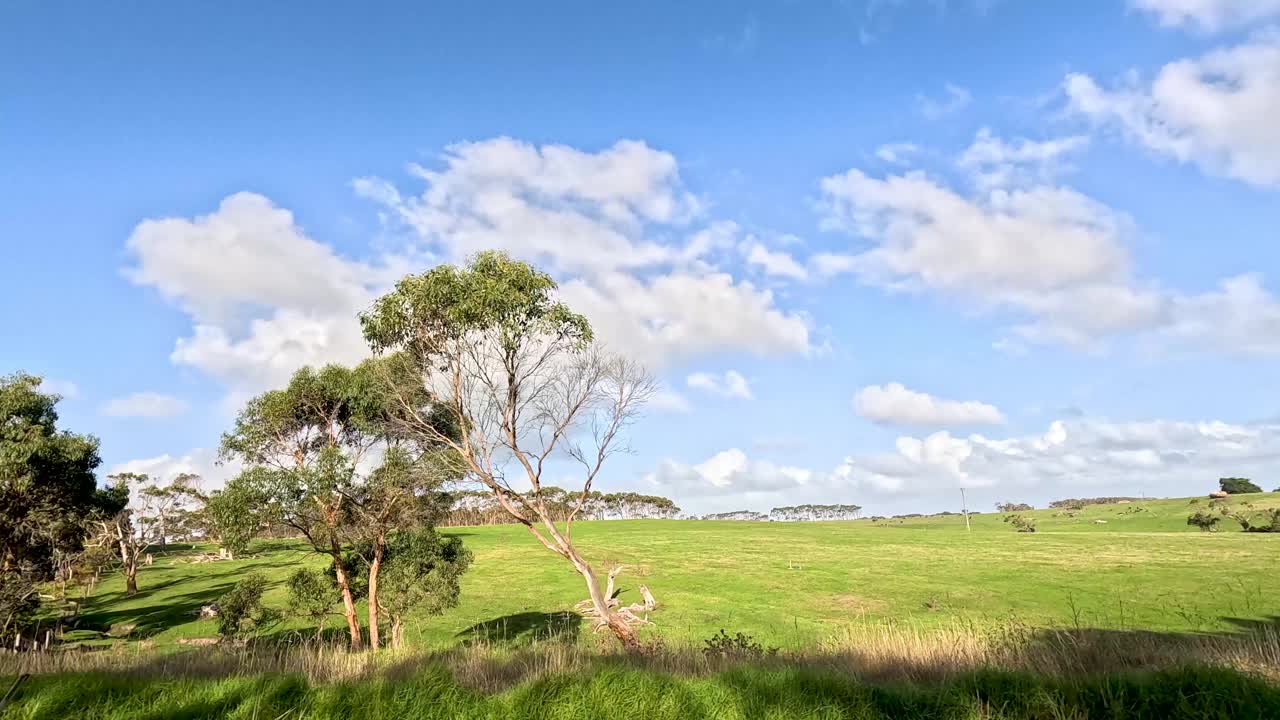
(891, 653)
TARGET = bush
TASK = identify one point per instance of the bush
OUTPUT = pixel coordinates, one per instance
(738, 647)
(1238, 486)
(240, 611)
(1204, 521)
(1025, 525)
(311, 595)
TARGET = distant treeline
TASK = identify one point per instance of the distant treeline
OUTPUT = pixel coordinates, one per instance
(1077, 503)
(793, 513)
(479, 507)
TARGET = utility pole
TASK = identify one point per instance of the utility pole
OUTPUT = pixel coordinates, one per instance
(964, 508)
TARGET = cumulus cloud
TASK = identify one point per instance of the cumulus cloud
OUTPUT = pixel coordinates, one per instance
(775, 263)
(265, 298)
(894, 404)
(1216, 111)
(632, 246)
(1209, 14)
(729, 472)
(995, 162)
(162, 468)
(731, 384)
(1040, 250)
(1071, 456)
(145, 405)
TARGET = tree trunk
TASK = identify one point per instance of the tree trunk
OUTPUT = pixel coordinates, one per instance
(348, 603)
(397, 632)
(373, 594)
(131, 578)
(616, 624)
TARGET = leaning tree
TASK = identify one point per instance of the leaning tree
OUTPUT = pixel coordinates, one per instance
(518, 373)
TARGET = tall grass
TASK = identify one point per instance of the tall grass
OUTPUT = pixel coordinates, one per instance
(885, 653)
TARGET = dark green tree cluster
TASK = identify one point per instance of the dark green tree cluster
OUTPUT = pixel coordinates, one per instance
(48, 493)
(1238, 486)
(323, 458)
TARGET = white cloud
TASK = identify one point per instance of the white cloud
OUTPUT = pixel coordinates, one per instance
(995, 162)
(265, 298)
(1217, 111)
(1004, 243)
(1071, 454)
(1241, 315)
(1209, 14)
(1070, 457)
(774, 262)
(896, 153)
(680, 315)
(1046, 252)
(894, 404)
(247, 254)
(731, 385)
(67, 389)
(630, 243)
(955, 99)
(570, 210)
(145, 405)
(163, 468)
(667, 400)
(729, 472)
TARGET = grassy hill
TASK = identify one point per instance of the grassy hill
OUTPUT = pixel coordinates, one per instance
(795, 584)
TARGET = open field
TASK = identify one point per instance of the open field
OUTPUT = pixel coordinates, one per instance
(796, 585)
(1138, 617)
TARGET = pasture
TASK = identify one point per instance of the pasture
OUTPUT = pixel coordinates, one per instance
(791, 585)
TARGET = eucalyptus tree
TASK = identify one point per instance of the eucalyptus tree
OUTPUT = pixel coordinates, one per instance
(47, 492)
(517, 373)
(321, 458)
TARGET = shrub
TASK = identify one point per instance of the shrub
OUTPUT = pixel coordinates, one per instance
(1204, 521)
(240, 611)
(1238, 486)
(738, 647)
(1026, 525)
(311, 595)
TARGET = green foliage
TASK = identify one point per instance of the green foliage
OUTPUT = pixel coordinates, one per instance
(738, 646)
(311, 595)
(1022, 524)
(1011, 507)
(47, 492)
(231, 515)
(493, 293)
(1205, 521)
(241, 612)
(1237, 486)
(421, 572)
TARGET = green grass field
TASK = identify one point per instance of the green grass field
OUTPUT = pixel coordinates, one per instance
(795, 585)
(912, 618)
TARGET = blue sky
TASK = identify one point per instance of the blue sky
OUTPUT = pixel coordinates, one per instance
(876, 251)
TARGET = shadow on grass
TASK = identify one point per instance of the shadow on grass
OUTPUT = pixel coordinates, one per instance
(152, 620)
(524, 628)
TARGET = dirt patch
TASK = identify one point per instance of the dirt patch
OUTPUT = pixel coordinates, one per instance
(857, 604)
